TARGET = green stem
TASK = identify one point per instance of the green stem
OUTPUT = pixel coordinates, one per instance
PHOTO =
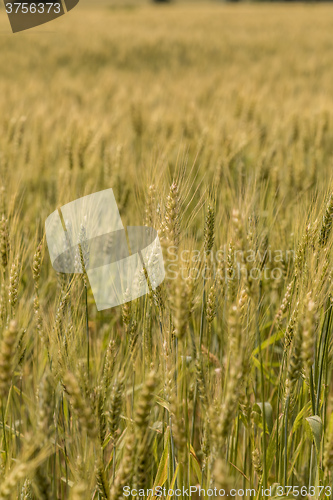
(87, 329)
(311, 466)
(286, 440)
(199, 354)
(4, 430)
(262, 391)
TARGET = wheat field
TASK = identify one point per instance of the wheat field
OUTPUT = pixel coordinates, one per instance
(213, 123)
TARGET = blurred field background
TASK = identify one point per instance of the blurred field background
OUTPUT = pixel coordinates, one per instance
(213, 123)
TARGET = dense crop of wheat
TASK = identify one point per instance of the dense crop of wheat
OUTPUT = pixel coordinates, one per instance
(213, 124)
